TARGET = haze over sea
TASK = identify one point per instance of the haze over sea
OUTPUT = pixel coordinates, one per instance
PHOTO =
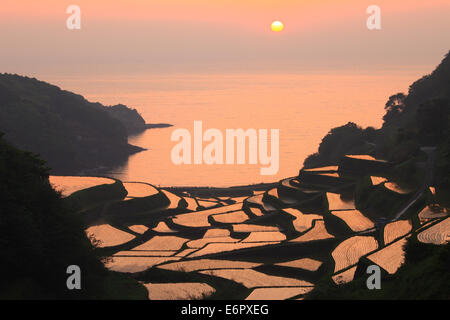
(303, 106)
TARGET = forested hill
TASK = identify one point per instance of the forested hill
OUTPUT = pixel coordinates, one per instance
(413, 120)
(69, 132)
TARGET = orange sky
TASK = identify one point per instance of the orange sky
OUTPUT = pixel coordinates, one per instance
(215, 31)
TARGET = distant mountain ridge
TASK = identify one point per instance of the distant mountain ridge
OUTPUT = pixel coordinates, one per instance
(69, 132)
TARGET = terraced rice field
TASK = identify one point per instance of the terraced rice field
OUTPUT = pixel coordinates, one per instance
(328, 168)
(348, 252)
(200, 243)
(395, 230)
(138, 228)
(135, 264)
(252, 279)
(192, 204)
(278, 293)
(318, 232)
(396, 188)
(207, 264)
(69, 184)
(364, 157)
(436, 234)
(162, 243)
(302, 221)
(390, 258)
(253, 227)
(265, 236)
(266, 241)
(335, 202)
(200, 218)
(355, 220)
(108, 235)
(232, 217)
(345, 276)
(214, 248)
(174, 199)
(162, 227)
(304, 263)
(378, 180)
(429, 213)
(178, 291)
(139, 190)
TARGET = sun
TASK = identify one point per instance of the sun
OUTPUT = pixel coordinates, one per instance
(277, 26)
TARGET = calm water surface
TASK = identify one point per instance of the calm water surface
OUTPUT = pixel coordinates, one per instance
(304, 108)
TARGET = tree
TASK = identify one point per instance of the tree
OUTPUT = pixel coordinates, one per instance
(394, 106)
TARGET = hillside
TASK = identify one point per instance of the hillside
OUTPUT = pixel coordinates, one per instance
(66, 130)
(414, 120)
(414, 124)
(40, 237)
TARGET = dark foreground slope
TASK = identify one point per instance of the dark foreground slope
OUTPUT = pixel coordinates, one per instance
(69, 132)
(40, 237)
(425, 275)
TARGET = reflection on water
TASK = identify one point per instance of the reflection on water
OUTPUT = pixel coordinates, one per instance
(304, 108)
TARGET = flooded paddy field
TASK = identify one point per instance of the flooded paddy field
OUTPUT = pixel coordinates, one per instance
(272, 241)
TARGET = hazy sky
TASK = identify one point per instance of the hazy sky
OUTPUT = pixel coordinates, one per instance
(219, 35)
